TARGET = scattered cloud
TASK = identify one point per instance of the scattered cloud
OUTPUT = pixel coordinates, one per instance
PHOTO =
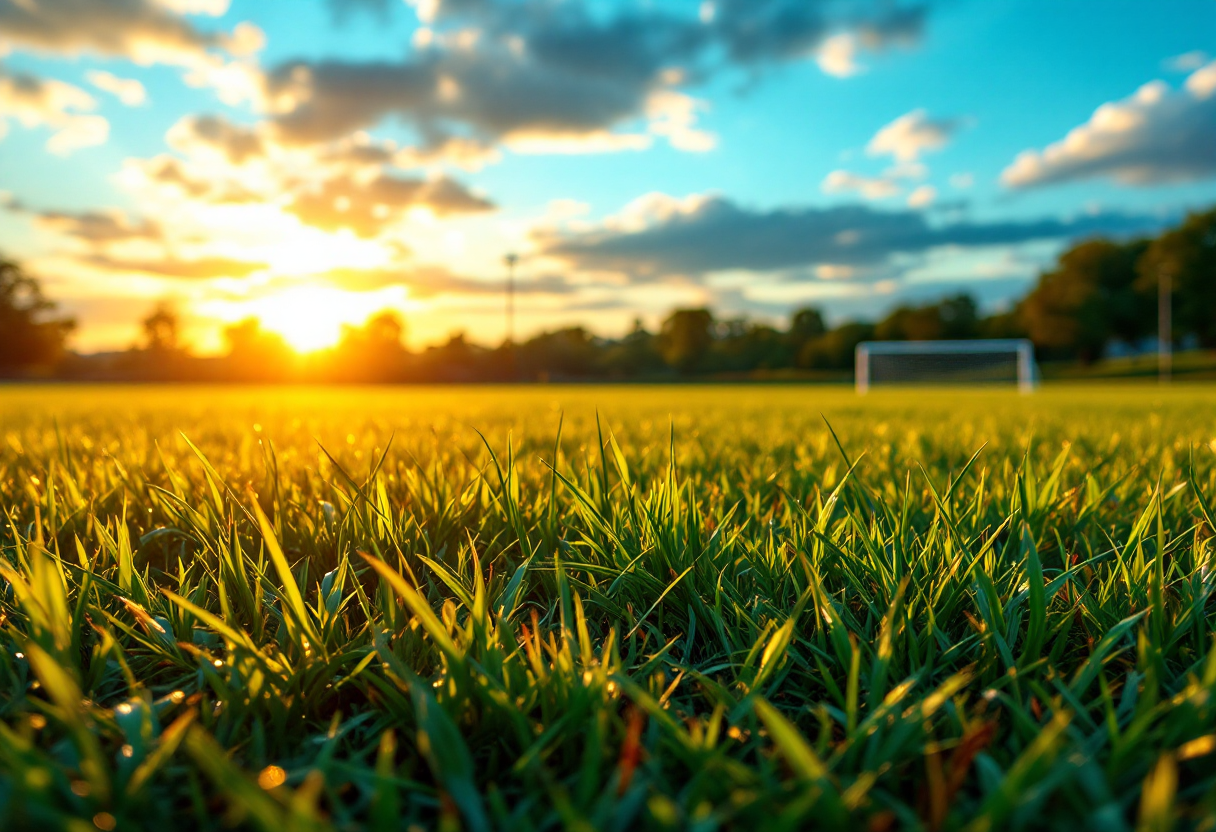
(673, 115)
(142, 30)
(699, 235)
(98, 227)
(127, 90)
(170, 175)
(495, 94)
(766, 31)
(869, 187)
(427, 281)
(115, 243)
(1157, 136)
(922, 197)
(204, 268)
(911, 135)
(555, 76)
(1187, 61)
(43, 102)
(838, 56)
(350, 183)
(367, 208)
(212, 8)
(212, 134)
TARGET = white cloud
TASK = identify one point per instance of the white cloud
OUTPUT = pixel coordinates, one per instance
(922, 197)
(837, 56)
(1187, 61)
(962, 181)
(142, 30)
(127, 90)
(912, 134)
(41, 102)
(1156, 136)
(79, 131)
(246, 39)
(213, 8)
(673, 115)
(654, 209)
(843, 182)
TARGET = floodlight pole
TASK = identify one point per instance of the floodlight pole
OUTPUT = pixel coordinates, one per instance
(510, 260)
(1165, 341)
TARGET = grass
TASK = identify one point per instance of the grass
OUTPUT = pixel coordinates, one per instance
(303, 609)
(1188, 365)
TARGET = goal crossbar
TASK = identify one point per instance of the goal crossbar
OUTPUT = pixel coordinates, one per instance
(1020, 348)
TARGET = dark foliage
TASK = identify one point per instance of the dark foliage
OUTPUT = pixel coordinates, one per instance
(30, 340)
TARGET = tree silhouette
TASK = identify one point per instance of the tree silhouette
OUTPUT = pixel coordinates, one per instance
(685, 338)
(29, 339)
(372, 352)
(162, 329)
(834, 349)
(256, 354)
(806, 324)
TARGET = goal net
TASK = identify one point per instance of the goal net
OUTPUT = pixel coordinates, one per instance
(995, 361)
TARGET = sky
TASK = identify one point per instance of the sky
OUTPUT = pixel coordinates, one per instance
(311, 162)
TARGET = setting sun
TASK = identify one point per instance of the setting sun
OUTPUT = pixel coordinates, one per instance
(311, 318)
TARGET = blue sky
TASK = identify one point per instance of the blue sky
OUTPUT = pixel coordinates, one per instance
(311, 162)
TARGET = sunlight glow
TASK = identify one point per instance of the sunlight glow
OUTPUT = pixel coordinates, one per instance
(311, 317)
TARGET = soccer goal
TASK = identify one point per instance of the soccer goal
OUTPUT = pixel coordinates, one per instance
(991, 361)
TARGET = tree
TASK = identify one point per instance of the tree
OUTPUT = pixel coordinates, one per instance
(747, 345)
(952, 318)
(569, 352)
(162, 330)
(455, 360)
(834, 349)
(1088, 299)
(1188, 255)
(806, 324)
(30, 340)
(372, 352)
(385, 331)
(255, 353)
(685, 338)
(635, 354)
(1007, 324)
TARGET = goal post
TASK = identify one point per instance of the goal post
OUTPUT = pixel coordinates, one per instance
(985, 361)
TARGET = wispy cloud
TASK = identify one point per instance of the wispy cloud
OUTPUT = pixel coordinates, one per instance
(43, 102)
(712, 234)
(127, 90)
(911, 135)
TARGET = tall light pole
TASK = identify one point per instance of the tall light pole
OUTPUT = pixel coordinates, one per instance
(1165, 341)
(510, 260)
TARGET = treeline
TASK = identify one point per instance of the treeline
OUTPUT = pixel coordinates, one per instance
(1101, 293)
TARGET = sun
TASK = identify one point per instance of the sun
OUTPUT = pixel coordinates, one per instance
(310, 318)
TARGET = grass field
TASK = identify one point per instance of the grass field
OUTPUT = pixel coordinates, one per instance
(287, 609)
